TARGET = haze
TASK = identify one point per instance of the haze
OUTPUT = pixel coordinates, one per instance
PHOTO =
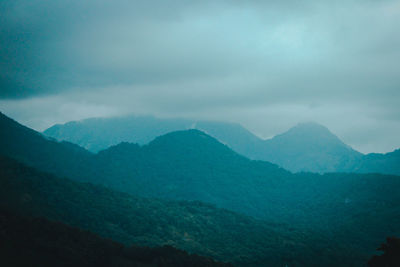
(263, 64)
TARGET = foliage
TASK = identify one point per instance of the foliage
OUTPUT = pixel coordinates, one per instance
(193, 226)
(341, 214)
(29, 241)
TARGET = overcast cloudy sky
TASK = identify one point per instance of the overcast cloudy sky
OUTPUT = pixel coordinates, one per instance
(265, 64)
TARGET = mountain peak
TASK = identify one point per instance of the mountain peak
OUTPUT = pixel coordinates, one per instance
(190, 142)
(309, 146)
(183, 136)
(310, 132)
(191, 138)
(310, 128)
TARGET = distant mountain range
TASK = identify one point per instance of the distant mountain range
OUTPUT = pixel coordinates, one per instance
(100, 133)
(193, 226)
(192, 165)
(306, 147)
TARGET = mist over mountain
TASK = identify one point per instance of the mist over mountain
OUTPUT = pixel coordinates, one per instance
(305, 147)
(191, 165)
(136, 131)
(100, 133)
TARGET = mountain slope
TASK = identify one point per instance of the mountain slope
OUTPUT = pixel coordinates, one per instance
(193, 226)
(312, 147)
(379, 163)
(100, 133)
(305, 147)
(34, 149)
(190, 165)
(309, 147)
(181, 175)
(30, 241)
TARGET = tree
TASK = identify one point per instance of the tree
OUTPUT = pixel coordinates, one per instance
(390, 256)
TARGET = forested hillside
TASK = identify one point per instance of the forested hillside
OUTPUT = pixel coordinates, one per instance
(192, 226)
(356, 209)
(179, 133)
(27, 241)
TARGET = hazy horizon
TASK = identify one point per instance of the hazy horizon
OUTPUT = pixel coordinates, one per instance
(186, 118)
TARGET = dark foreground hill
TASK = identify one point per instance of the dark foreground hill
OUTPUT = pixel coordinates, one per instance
(306, 147)
(192, 226)
(27, 241)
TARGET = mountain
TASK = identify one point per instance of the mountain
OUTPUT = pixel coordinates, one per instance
(306, 147)
(309, 147)
(191, 165)
(379, 163)
(233, 135)
(357, 209)
(135, 169)
(96, 134)
(192, 226)
(28, 241)
(34, 149)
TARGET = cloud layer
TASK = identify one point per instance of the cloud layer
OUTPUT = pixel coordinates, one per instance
(264, 64)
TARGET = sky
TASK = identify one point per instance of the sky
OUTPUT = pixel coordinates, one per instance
(267, 65)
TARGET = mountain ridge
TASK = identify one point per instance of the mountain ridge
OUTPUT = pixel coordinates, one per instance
(227, 180)
(307, 146)
(196, 227)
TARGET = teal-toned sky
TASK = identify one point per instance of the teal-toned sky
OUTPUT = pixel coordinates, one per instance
(265, 64)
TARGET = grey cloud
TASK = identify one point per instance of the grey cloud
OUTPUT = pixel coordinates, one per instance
(266, 64)
(63, 44)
